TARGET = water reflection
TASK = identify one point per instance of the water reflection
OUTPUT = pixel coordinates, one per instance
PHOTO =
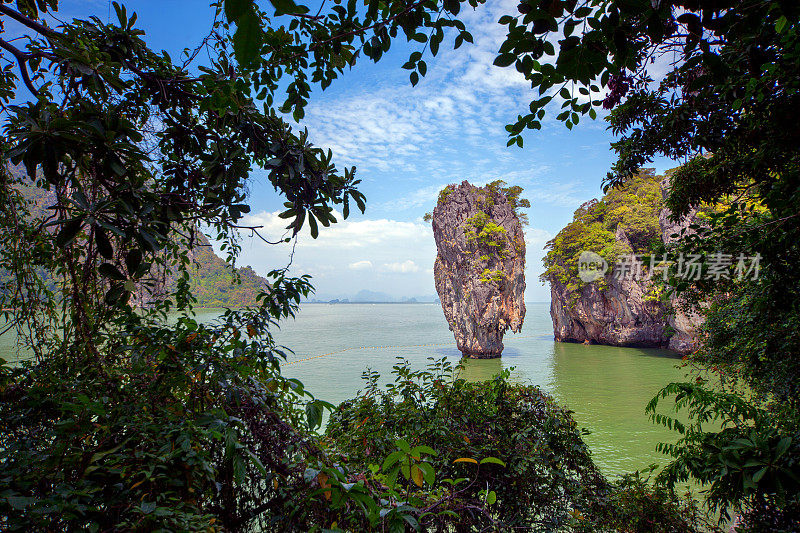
(481, 369)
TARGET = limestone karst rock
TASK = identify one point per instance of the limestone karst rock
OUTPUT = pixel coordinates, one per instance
(480, 267)
(623, 312)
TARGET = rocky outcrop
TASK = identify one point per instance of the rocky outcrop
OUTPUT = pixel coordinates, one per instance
(479, 268)
(625, 311)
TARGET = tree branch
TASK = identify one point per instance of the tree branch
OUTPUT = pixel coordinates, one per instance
(21, 57)
(29, 22)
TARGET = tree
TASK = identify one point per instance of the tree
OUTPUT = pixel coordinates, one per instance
(120, 421)
(726, 107)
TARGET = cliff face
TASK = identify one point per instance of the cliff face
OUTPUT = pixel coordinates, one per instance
(479, 268)
(212, 278)
(625, 312)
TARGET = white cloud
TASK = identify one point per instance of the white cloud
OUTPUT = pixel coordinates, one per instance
(351, 255)
(346, 234)
(536, 238)
(404, 267)
(394, 127)
(360, 265)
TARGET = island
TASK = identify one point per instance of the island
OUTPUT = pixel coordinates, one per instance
(480, 264)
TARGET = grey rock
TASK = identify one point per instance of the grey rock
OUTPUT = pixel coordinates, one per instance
(625, 313)
(479, 312)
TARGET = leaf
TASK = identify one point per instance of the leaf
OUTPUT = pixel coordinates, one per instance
(69, 231)
(424, 449)
(257, 462)
(236, 8)
(465, 460)
(504, 60)
(110, 271)
(313, 414)
(322, 478)
(283, 7)
(428, 473)
(403, 445)
(103, 244)
(248, 38)
(491, 498)
(391, 459)
(780, 24)
(493, 460)
(19, 502)
(416, 475)
(133, 259)
(782, 446)
(312, 225)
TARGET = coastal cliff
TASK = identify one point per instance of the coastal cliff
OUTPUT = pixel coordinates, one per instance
(480, 265)
(618, 310)
(213, 281)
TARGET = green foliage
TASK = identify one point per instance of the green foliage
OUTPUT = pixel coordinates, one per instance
(293, 49)
(123, 420)
(633, 208)
(483, 231)
(214, 282)
(444, 194)
(493, 276)
(639, 505)
(729, 95)
(750, 465)
(512, 193)
(732, 85)
(490, 195)
(153, 438)
(535, 470)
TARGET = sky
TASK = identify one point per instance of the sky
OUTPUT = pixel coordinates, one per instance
(407, 144)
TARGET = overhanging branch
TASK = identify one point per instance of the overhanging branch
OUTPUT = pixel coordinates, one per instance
(21, 58)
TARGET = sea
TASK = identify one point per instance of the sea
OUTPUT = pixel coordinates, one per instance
(606, 387)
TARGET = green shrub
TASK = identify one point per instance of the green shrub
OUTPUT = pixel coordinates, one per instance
(547, 480)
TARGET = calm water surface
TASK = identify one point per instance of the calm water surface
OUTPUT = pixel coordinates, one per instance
(606, 387)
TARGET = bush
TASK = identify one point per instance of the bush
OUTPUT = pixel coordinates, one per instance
(547, 480)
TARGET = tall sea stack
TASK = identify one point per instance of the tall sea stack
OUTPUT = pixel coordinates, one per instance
(480, 265)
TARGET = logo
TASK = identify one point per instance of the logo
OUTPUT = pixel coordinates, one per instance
(591, 267)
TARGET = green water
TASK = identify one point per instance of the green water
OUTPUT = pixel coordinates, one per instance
(606, 387)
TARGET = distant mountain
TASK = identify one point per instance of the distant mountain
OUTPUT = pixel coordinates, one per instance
(372, 296)
(211, 276)
(367, 296)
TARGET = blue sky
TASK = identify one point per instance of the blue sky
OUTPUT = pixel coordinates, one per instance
(407, 143)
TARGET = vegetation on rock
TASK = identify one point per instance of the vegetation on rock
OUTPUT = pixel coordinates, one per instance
(214, 282)
(480, 264)
(632, 208)
(491, 192)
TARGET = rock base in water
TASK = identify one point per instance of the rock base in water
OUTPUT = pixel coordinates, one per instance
(480, 267)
